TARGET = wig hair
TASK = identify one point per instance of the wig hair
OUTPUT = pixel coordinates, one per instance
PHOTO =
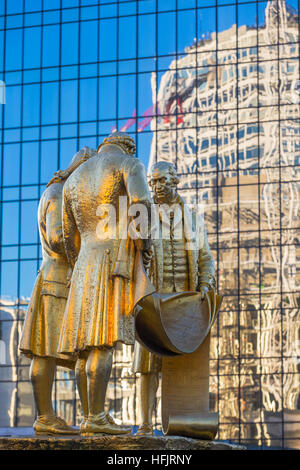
(80, 157)
(122, 140)
(165, 166)
(84, 154)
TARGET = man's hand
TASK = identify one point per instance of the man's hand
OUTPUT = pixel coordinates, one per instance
(203, 290)
(58, 176)
(147, 256)
(69, 277)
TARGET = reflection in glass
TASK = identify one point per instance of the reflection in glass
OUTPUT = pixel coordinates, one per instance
(254, 224)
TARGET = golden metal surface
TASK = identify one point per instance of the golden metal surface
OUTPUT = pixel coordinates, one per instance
(94, 278)
(175, 322)
(84, 154)
(199, 263)
(197, 425)
(40, 335)
(106, 283)
(185, 395)
(163, 324)
(101, 298)
(185, 376)
(44, 317)
(185, 402)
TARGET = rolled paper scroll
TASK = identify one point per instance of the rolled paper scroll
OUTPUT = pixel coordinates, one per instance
(185, 395)
(177, 326)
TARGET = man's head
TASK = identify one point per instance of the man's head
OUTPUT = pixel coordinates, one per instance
(122, 140)
(80, 157)
(164, 180)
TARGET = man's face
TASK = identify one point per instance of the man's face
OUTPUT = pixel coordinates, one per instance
(161, 182)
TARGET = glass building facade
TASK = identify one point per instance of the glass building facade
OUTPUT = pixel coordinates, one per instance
(211, 85)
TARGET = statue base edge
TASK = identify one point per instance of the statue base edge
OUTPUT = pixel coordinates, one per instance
(107, 442)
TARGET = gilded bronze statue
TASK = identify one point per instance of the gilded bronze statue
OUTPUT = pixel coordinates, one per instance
(111, 276)
(99, 310)
(183, 276)
(43, 321)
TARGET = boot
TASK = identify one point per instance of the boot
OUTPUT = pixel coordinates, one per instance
(145, 429)
(52, 425)
(103, 423)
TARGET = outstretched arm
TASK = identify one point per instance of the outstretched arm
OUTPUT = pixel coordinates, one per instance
(135, 180)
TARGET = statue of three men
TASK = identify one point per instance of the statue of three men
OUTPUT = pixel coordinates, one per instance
(83, 300)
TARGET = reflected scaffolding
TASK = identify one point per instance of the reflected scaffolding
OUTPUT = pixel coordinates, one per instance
(227, 114)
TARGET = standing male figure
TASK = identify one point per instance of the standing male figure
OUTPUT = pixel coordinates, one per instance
(176, 267)
(101, 298)
(43, 321)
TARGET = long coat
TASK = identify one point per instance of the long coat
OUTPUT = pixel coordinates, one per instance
(101, 299)
(201, 267)
(45, 312)
(200, 270)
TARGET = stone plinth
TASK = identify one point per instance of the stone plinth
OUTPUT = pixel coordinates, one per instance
(105, 442)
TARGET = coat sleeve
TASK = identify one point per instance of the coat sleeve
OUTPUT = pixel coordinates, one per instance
(70, 231)
(206, 264)
(135, 181)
